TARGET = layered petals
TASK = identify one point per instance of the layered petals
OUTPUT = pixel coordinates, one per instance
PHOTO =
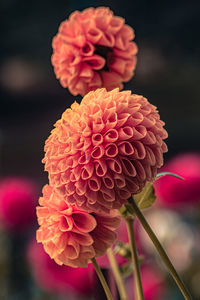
(70, 236)
(105, 149)
(93, 49)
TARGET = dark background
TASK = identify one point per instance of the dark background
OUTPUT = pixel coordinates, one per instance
(167, 73)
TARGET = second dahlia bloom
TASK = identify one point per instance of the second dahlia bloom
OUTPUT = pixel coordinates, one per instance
(93, 49)
(70, 236)
(105, 149)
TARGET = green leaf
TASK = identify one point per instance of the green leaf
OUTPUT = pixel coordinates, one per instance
(168, 173)
(146, 197)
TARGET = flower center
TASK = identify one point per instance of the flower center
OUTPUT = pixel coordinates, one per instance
(104, 52)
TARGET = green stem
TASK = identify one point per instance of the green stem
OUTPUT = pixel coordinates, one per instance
(137, 278)
(102, 279)
(160, 250)
(117, 274)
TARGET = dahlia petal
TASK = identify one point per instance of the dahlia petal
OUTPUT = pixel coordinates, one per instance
(115, 25)
(125, 148)
(111, 222)
(136, 119)
(122, 119)
(84, 222)
(97, 139)
(70, 188)
(91, 197)
(105, 203)
(96, 81)
(104, 234)
(119, 180)
(51, 249)
(108, 181)
(111, 150)
(85, 158)
(42, 211)
(70, 252)
(93, 35)
(149, 138)
(96, 62)
(81, 187)
(87, 171)
(117, 65)
(86, 72)
(79, 199)
(140, 170)
(128, 167)
(107, 40)
(114, 165)
(98, 125)
(103, 17)
(125, 133)
(97, 152)
(124, 193)
(132, 186)
(130, 50)
(139, 150)
(94, 183)
(108, 77)
(66, 224)
(83, 239)
(164, 147)
(100, 167)
(111, 136)
(111, 121)
(88, 49)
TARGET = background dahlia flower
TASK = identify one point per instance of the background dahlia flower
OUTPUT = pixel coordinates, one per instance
(17, 203)
(175, 193)
(105, 149)
(93, 49)
(62, 280)
(71, 236)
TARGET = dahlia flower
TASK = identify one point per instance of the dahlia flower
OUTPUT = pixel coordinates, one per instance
(175, 193)
(17, 203)
(93, 49)
(71, 236)
(105, 149)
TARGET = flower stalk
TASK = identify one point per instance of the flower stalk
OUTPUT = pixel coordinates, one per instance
(117, 274)
(102, 279)
(139, 295)
(160, 250)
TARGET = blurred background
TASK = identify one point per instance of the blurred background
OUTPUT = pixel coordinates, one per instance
(167, 73)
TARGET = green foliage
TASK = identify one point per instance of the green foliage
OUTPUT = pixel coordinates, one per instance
(146, 197)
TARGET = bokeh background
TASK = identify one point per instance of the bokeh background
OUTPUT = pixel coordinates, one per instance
(167, 73)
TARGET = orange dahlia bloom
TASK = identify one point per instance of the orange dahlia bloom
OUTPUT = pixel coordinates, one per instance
(105, 149)
(71, 236)
(93, 49)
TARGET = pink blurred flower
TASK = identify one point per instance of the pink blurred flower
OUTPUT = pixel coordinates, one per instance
(173, 192)
(59, 279)
(17, 203)
(152, 282)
